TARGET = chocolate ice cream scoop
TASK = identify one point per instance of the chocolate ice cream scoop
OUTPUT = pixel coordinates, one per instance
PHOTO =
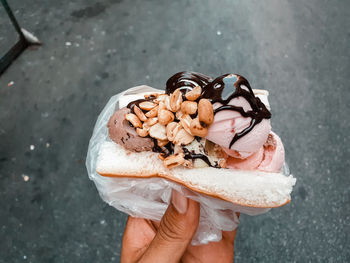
(122, 133)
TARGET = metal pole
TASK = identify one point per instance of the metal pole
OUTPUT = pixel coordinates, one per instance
(12, 18)
(17, 49)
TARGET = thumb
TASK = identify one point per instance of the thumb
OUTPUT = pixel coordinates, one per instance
(175, 232)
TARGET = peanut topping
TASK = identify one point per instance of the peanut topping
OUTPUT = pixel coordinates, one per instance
(194, 93)
(174, 160)
(165, 116)
(162, 106)
(175, 100)
(183, 138)
(161, 97)
(178, 114)
(134, 120)
(185, 121)
(142, 132)
(197, 129)
(152, 113)
(189, 107)
(158, 131)
(161, 156)
(205, 112)
(167, 103)
(172, 129)
(139, 113)
(151, 121)
(178, 149)
(147, 105)
(162, 143)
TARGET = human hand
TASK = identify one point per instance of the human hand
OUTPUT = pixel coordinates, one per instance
(169, 241)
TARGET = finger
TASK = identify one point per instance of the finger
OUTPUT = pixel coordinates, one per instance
(222, 251)
(175, 232)
(155, 224)
(137, 236)
(229, 236)
(213, 252)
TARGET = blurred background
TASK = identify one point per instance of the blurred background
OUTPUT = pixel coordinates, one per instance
(52, 94)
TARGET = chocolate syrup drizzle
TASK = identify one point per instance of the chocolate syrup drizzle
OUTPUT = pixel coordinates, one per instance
(166, 150)
(193, 156)
(186, 81)
(220, 90)
(236, 86)
(134, 103)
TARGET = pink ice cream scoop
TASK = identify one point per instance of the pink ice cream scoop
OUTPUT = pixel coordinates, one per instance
(241, 120)
(273, 154)
(269, 158)
(228, 123)
(241, 125)
(249, 163)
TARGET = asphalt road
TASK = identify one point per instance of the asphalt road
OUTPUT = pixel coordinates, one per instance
(298, 50)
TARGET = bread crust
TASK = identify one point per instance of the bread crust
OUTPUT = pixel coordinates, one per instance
(142, 176)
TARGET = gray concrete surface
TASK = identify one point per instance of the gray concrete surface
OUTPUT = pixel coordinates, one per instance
(298, 50)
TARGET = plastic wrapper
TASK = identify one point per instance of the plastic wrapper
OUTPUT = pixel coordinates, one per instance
(149, 198)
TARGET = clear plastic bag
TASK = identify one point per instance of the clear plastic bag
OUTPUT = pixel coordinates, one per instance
(149, 198)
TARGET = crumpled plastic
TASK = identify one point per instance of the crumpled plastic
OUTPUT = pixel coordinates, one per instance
(149, 198)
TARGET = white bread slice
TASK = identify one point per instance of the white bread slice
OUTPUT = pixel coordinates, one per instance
(244, 188)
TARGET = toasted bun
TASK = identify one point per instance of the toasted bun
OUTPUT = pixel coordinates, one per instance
(245, 188)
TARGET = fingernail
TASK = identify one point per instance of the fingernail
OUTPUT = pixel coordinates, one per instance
(179, 202)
